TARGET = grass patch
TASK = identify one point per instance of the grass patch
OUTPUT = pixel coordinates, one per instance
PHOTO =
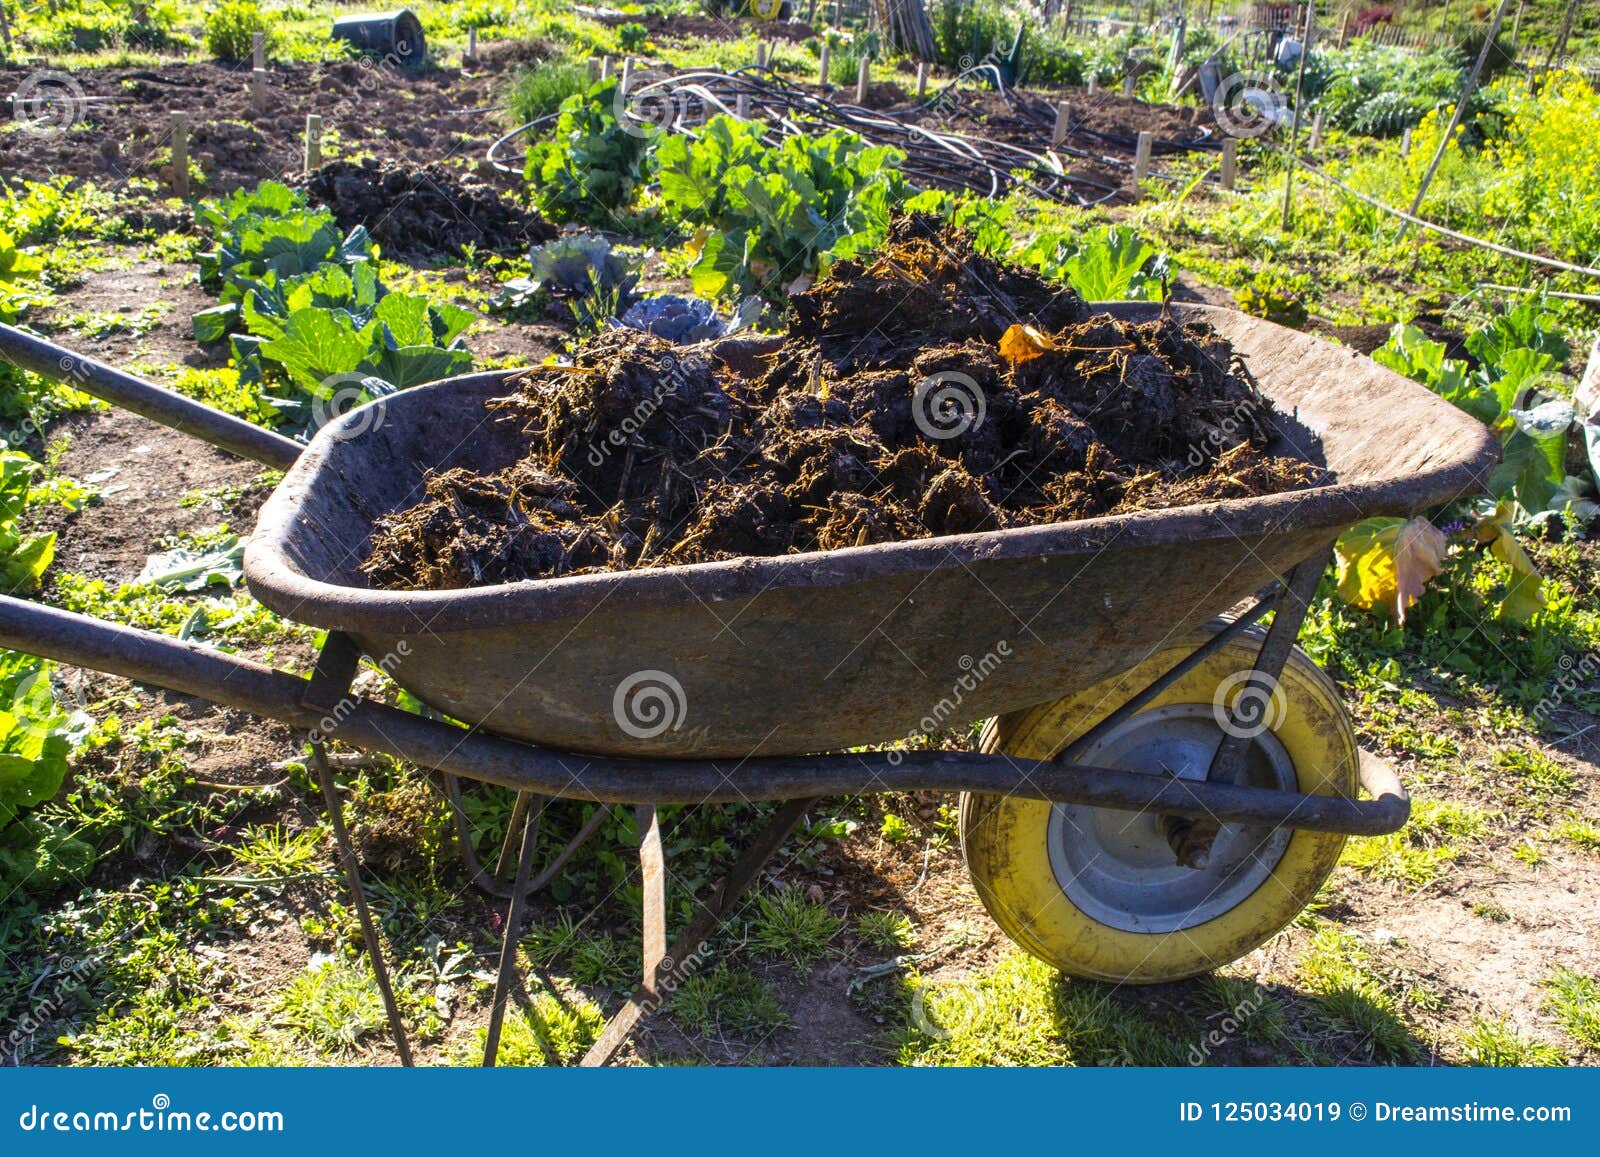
(1575, 1000)
(1495, 1044)
(1351, 998)
(332, 1007)
(1579, 831)
(886, 930)
(551, 1028)
(727, 1001)
(1026, 1013)
(789, 926)
(1420, 852)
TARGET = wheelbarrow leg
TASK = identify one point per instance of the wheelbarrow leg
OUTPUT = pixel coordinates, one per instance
(492, 882)
(513, 929)
(509, 847)
(683, 957)
(358, 898)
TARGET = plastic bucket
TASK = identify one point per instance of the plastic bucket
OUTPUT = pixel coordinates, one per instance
(395, 36)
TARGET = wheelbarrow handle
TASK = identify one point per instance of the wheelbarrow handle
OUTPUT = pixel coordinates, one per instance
(168, 407)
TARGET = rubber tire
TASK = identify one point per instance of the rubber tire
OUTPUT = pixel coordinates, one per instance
(1004, 840)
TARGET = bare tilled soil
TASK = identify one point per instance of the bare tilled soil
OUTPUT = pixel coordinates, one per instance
(123, 128)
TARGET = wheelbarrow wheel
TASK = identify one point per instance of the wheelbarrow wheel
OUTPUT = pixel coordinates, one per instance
(1099, 893)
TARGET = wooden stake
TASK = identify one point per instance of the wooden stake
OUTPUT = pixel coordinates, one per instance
(1059, 132)
(1405, 143)
(761, 54)
(922, 78)
(822, 65)
(594, 69)
(313, 142)
(180, 153)
(1230, 161)
(258, 50)
(258, 89)
(625, 82)
(811, 12)
(1316, 131)
(861, 80)
(741, 106)
(472, 46)
(1516, 25)
(1344, 30)
(605, 68)
(1094, 83)
(1141, 159)
(5, 24)
(1127, 87)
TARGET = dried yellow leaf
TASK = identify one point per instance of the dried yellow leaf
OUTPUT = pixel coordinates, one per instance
(1022, 343)
(1387, 562)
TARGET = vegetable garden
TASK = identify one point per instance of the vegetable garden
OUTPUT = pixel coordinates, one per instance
(624, 209)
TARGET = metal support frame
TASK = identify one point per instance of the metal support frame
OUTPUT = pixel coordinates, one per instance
(325, 706)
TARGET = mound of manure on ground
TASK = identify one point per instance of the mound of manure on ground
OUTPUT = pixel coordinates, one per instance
(928, 391)
(424, 213)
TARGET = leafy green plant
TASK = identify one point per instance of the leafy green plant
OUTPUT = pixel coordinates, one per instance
(311, 305)
(539, 91)
(36, 735)
(1110, 263)
(268, 229)
(772, 218)
(16, 269)
(23, 556)
(633, 36)
(231, 28)
(590, 169)
(1506, 386)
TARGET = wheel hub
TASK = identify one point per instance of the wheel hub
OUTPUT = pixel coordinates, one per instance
(1119, 866)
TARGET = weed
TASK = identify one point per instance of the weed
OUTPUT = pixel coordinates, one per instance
(788, 925)
(1575, 999)
(558, 1027)
(728, 1001)
(1352, 999)
(1424, 849)
(331, 1006)
(1494, 1043)
(886, 930)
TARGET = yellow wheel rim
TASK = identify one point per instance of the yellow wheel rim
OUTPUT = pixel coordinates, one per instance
(1082, 889)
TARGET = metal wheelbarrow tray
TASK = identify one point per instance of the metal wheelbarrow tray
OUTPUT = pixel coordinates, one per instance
(822, 651)
(758, 664)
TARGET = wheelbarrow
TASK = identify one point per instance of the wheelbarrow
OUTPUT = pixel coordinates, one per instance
(1164, 782)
